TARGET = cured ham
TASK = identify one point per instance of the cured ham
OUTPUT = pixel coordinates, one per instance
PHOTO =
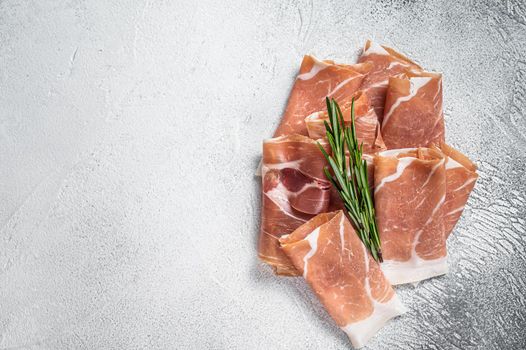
(385, 62)
(410, 194)
(460, 179)
(413, 111)
(344, 276)
(317, 80)
(366, 123)
(294, 190)
(420, 186)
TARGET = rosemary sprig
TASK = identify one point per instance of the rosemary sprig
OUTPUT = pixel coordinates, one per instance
(349, 176)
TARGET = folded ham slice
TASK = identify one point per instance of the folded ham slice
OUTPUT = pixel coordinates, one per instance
(413, 111)
(410, 194)
(344, 276)
(317, 80)
(386, 63)
(294, 190)
(460, 179)
(366, 123)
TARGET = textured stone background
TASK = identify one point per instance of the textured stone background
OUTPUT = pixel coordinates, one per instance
(129, 135)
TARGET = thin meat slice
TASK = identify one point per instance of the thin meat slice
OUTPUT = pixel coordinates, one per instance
(344, 276)
(410, 194)
(294, 190)
(461, 176)
(413, 111)
(317, 80)
(366, 123)
(386, 63)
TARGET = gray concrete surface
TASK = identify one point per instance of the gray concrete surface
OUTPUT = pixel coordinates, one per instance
(129, 135)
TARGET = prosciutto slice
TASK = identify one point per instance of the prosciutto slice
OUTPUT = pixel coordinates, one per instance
(316, 80)
(344, 276)
(410, 194)
(386, 63)
(366, 123)
(413, 111)
(461, 176)
(294, 190)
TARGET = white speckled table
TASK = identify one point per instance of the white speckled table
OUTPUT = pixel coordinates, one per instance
(129, 135)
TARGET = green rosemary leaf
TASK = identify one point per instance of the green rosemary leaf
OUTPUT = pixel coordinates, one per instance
(349, 176)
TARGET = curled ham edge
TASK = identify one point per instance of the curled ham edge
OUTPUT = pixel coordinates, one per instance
(373, 48)
(359, 330)
(457, 194)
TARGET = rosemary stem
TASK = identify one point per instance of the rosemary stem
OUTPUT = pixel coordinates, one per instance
(347, 172)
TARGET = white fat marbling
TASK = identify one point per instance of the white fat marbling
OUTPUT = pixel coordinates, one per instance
(312, 238)
(342, 233)
(452, 164)
(413, 270)
(341, 85)
(376, 49)
(415, 84)
(400, 167)
(467, 183)
(280, 196)
(362, 331)
(395, 152)
(316, 68)
(293, 164)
